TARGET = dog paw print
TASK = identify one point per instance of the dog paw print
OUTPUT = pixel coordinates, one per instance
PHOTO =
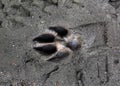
(57, 42)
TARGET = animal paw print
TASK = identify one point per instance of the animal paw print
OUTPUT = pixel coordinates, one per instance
(58, 42)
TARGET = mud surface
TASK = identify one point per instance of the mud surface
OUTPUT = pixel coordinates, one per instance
(96, 64)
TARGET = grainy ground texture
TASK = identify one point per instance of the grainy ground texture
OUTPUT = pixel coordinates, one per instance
(95, 64)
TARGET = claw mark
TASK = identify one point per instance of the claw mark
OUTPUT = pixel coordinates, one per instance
(89, 24)
(105, 36)
(54, 70)
(53, 2)
(107, 70)
(98, 70)
(27, 1)
(1, 5)
(0, 24)
(80, 77)
(77, 78)
(47, 76)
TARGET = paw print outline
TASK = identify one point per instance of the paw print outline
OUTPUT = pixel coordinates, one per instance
(58, 42)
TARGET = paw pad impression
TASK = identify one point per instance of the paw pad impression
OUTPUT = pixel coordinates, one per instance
(58, 42)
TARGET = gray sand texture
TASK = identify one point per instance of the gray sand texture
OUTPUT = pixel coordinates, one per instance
(95, 64)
